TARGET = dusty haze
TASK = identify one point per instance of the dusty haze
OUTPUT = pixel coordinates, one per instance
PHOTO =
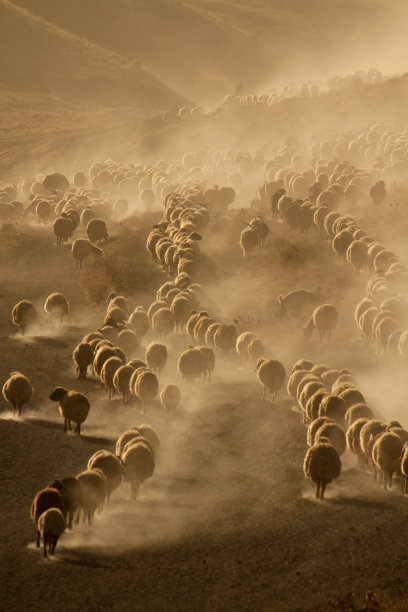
(171, 99)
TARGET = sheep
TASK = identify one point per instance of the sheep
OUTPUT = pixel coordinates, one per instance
(225, 337)
(353, 438)
(96, 230)
(351, 396)
(56, 305)
(333, 407)
(386, 456)
(192, 321)
(294, 379)
(324, 318)
(83, 356)
(170, 397)
(128, 341)
(181, 308)
(18, 391)
(210, 333)
(241, 345)
(156, 356)
(361, 307)
(43, 500)
(154, 307)
(63, 229)
(110, 465)
(358, 411)
(314, 428)
(163, 322)
(256, 349)
(71, 492)
(259, 225)
(307, 392)
(130, 437)
(146, 388)
(81, 249)
(382, 331)
(271, 374)
(108, 372)
(321, 465)
(94, 487)
(341, 242)
(191, 364)
(378, 192)
(209, 361)
(103, 353)
(74, 407)
(335, 434)
(302, 364)
(404, 466)
(24, 314)
(356, 254)
(51, 525)
(295, 302)
(139, 320)
(121, 380)
(248, 241)
(312, 408)
(138, 462)
(368, 431)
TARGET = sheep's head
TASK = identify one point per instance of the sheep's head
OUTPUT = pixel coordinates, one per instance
(58, 394)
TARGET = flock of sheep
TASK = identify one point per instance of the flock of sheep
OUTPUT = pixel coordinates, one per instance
(318, 199)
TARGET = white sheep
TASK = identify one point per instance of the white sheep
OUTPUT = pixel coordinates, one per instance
(18, 391)
(170, 397)
(156, 356)
(191, 364)
(121, 380)
(146, 388)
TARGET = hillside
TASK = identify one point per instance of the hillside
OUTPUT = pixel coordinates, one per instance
(38, 57)
(205, 47)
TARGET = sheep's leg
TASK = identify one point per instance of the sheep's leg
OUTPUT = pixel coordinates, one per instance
(38, 539)
(134, 489)
(65, 425)
(19, 409)
(390, 480)
(45, 545)
(322, 489)
(89, 517)
(318, 489)
(54, 544)
(69, 425)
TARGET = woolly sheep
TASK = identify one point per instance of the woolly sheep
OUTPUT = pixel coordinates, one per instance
(181, 309)
(256, 349)
(139, 321)
(225, 337)
(81, 249)
(295, 302)
(163, 322)
(248, 241)
(24, 315)
(191, 364)
(302, 364)
(132, 435)
(353, 438)
(156, 356)
(83, 357)
(368, 431)
(138, 462)
(314, 428)
(94, 487)
(208, 361)
(335, 434)
(146, 388)
(44, 500)
(357, 411)
(71, 493)
(96, 230)
(324, 318)
(103, 353)
(121, 380)
(63, 229)
(333, 407)
(51, 525)
(356, 254)
(128, 341)
(307, 392)
(241, 345)
(108, 372)
(312, 408)
(321, 465)
(341, 242)
(210, 333)
(386, 456)
(56, 305)
(74, 407)
(271, 374)
(170, 397)
(351, 396)
(110, 466)
(18, 391)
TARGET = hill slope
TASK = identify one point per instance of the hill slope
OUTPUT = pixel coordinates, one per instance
(205, 47)
(37, 56)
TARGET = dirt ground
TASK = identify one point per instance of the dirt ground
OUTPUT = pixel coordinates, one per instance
(228, 520)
